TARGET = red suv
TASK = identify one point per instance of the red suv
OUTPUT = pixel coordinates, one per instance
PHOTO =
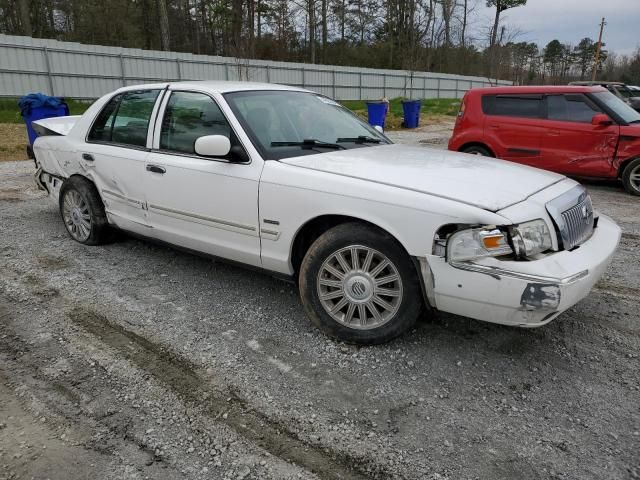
(580, 131)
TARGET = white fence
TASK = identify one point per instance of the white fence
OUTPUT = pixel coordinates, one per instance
(77, 70)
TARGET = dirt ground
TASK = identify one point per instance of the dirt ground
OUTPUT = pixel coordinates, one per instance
(13, 142)
(137, 361)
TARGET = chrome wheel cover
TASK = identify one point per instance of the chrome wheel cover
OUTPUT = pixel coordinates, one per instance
(76, 216)
(634, 178)
(359, 287)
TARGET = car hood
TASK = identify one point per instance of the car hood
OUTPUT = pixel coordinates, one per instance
(487, 183)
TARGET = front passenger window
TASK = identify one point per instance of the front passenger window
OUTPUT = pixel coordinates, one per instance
(570, 108)
(188, 116)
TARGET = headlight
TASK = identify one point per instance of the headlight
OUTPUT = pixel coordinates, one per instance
(477, 243)
(531, 237)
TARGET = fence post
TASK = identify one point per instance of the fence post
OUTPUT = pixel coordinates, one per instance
(360, 86)
(457, 87)
(45, 51)
(304, 78)
(268, 74)
(179, 69)
(424, 87)
(122, 74)
(438, 87)
(384, 85)
(226, 71)
(333, 83)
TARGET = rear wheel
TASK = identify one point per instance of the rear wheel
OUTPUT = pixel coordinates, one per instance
(477, 150)
(82, 212)
(358, 285)
(631, 177)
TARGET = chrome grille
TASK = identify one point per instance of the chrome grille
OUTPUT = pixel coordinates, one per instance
(573, 214)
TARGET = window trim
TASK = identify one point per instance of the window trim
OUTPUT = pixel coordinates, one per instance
(524, 96)
(158, 130)
(124, 145)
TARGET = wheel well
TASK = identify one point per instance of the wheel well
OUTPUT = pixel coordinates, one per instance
(624, 164)
(311, 230)
(476, 144)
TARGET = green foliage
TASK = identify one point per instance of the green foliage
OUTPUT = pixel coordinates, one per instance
(503, 5)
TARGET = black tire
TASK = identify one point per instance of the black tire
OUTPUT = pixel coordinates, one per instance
(477, 150)
(630, 177)
(90, 208)
(407, 296)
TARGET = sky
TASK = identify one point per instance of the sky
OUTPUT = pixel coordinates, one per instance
(569, 21)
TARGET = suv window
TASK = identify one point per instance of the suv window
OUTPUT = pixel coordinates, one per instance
(125, 119)
(570, 108)
(527, 106)
(188, 116)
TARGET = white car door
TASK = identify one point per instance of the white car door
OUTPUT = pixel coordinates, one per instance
(115, 152)
(205, 204)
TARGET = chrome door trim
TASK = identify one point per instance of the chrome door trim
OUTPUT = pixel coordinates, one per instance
(225, 224)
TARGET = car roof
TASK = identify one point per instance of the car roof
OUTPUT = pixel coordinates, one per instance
(213, 86)
(539, 89)
(594, 82)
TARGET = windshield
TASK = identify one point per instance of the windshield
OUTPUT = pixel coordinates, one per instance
(618, 106)
(623, 91)
(285, 124)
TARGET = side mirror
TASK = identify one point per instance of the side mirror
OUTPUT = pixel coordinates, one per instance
(601, 120)
(212, 146)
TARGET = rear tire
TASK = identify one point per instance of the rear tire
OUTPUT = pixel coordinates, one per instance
(631, 177)
(82, 212)
(477, 150)
(358, 285)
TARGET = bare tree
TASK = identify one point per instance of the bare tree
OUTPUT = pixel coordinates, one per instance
(164, 24)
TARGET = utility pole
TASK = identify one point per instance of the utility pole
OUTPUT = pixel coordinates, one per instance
(597, 59)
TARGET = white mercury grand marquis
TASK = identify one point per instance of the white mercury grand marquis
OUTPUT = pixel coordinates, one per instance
(288, 181)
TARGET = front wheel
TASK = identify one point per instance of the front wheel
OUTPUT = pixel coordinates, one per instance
(358, 285)
(631, 177)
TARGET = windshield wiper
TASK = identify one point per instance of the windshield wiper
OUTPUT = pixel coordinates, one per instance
(309, 143)
(360, 139)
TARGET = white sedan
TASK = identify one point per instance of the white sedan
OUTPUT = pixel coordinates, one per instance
(288, 181)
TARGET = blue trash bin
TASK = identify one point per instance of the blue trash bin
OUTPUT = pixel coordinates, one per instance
(411, 110)
(36, 106)
(377, 113)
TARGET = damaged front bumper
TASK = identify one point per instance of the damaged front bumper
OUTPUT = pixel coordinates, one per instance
(525, 294)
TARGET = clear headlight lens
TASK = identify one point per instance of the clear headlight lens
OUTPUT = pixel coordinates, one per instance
(477, 243)
(531, 237)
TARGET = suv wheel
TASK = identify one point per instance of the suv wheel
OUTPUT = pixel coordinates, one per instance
(477, 150)
(631, 177)
(358, 285)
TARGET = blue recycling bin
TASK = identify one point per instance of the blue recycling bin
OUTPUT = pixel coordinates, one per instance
(36, 106)
(377, 113)
(411, 111)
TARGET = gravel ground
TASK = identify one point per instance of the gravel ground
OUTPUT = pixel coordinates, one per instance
(133, 360)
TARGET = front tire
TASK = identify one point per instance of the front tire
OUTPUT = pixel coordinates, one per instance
(82, 212)
(631, 177)
(358, 285)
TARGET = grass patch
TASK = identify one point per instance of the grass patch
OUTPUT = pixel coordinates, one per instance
(13, 145)
(10, 112)
(432, 107)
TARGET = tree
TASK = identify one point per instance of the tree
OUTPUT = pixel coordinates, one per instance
(584, 53)
(500, 6)
(164, 24)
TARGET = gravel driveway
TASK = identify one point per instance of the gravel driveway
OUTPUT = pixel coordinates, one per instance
(133, 360)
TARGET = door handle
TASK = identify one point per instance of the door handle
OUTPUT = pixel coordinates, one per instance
(88, 157)
(156, 169)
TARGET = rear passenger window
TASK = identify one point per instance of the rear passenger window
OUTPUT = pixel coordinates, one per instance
(188, 116)
(570, 108)
(526, 106)
(125, 119)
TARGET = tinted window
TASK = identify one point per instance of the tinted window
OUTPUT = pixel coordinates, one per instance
(619, 108)
(189, 116)
(570, 108)
(527, 106)
(125, 119)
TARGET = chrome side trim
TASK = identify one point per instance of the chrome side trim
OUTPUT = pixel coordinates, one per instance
(226, 223)
(274, 235)
(500, 272)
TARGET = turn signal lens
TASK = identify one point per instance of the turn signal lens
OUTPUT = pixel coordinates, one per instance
(477, 243)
